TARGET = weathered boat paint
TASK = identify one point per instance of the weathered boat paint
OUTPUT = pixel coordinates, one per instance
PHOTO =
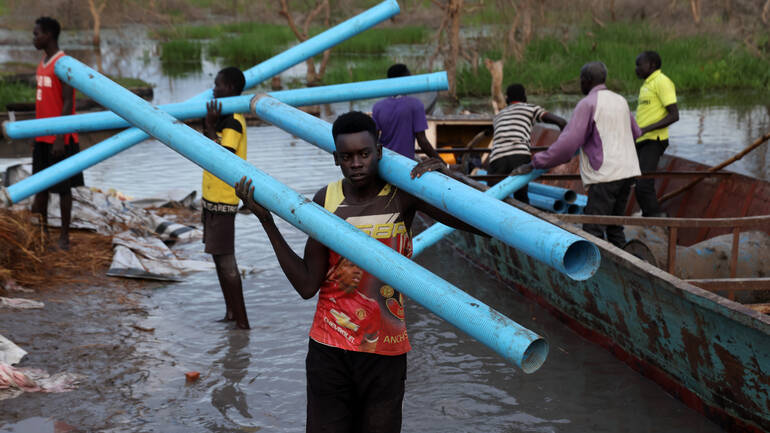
(712, 353)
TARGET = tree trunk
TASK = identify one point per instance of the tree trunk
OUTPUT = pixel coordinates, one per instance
(96, 14)
(695, 8)
(311, 76)
(454, 10)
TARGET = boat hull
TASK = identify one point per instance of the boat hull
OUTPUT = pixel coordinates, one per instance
(710, 352)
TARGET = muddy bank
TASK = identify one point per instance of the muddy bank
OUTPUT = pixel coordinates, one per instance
(85, 330)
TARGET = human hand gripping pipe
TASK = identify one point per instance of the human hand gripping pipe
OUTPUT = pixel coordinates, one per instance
(512, 341)
(560, 249)
(273, 66)
(197, 109)
(503, 189)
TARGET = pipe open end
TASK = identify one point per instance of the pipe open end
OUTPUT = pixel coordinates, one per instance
(570, 196)
(573, 208)
(535, 355)
(558, 205)
(581, 260)
(254, 100)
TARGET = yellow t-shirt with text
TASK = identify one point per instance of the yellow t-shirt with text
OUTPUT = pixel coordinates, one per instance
(231, 133)
(657, 92)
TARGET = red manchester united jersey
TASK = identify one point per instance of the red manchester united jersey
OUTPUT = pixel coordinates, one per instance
(355, 310)
(48, 99)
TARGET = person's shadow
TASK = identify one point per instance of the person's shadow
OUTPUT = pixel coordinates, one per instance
(235, 365)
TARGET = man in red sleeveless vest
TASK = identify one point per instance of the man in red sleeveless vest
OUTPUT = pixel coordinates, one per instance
(356, 361)
(53, 98)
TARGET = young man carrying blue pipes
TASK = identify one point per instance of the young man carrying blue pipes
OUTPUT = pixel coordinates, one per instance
(356, 361)
(220, 204)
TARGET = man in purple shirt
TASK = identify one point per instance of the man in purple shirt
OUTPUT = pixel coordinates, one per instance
(603, 130)
(400, 120)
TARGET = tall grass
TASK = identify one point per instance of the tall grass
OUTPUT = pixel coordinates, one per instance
(15, 92)
(347, 69)
(377, 40)
(694, 63)
(246, 44)
(180, 57)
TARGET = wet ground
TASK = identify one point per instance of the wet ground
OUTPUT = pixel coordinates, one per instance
(254, 380)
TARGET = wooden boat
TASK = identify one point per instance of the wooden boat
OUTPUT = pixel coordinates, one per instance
(707, 350)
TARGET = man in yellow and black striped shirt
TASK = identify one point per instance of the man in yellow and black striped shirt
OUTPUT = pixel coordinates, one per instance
(220, 204)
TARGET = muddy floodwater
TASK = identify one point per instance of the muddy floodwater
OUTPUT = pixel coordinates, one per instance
(254, 380)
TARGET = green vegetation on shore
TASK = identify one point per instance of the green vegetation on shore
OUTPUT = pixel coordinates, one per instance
(179, 57)
(24, 90)
(377, 40)
(550, 64)
(15, 92)
(694, 63)
(247, 43)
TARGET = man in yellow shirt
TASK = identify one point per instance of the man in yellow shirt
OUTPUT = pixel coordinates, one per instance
(656, 111)
(220, 204)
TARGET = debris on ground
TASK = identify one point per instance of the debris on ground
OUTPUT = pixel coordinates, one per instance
(16, 381)
(20, 303)
(10, 353)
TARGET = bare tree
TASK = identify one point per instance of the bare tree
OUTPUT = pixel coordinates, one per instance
(696, 11)
(452, 12)
(496, 71)
(313, 77)
(97, 8)
(520, 31)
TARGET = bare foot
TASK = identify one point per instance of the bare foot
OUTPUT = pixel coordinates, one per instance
(229, 317)
(242, 325)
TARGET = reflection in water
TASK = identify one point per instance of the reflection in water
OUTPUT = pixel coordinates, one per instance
(235, 364)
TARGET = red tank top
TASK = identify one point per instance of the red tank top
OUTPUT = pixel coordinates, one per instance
(355, 310)
(48, 99)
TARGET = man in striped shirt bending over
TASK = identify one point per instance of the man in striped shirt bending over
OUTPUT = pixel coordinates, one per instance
(513, 126)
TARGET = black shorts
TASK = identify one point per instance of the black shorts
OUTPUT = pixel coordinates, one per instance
(218, 232)
(351, 392)
(505, 165)
(42, 158)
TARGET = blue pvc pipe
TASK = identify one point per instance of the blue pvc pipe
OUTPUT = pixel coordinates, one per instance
(563, 194)
(544, 202)
(89, 122)
(273, 66)
(560, 249)
(512, 341)
(236, 104)
(501, 190)
(126, 139)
